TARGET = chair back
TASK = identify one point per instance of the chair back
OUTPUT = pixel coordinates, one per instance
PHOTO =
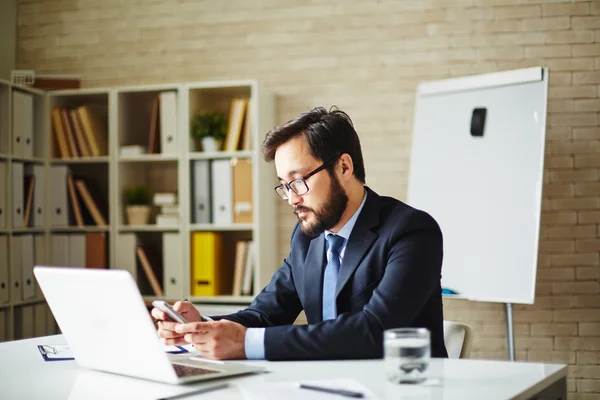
(457, 337)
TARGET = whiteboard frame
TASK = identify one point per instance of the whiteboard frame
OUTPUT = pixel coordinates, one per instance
(490, 81)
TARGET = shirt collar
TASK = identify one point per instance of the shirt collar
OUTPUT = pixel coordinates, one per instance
(348, 226)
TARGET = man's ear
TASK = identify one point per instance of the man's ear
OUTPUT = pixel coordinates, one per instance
(347, 166)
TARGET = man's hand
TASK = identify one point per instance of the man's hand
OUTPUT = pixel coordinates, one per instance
(166, 328)
(219, 340)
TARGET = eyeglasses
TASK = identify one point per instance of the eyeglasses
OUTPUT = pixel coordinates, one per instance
(299, 186)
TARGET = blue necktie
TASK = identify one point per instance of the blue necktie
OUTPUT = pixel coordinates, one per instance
(332, 269)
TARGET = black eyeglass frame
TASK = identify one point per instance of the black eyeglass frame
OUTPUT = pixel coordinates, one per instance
(279, 188)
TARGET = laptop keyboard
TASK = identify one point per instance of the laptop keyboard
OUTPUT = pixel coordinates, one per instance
(183, 371)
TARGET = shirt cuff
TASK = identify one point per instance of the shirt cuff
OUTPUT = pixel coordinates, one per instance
(204, 319)
(254, 343)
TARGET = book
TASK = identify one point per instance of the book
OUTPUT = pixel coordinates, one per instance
(92, 119)
(84, 148)
(170, 209)
(95, 250)
(69, 133)
(93, 201)
(154, 137)
(247, 130)
(164, 199)
(167, 220)
(234, 124)
(61, 148)
(133, 150)
(74, 202)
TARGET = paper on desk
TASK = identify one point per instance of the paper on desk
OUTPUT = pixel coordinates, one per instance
(63, 351)
(290, 390)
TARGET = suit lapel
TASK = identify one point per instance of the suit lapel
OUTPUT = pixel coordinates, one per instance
(315, 264)
(360, 239)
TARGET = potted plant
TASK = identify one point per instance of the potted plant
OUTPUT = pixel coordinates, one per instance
(138, 205)
(210, 128)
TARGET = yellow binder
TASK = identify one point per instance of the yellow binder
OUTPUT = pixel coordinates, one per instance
(207, 264)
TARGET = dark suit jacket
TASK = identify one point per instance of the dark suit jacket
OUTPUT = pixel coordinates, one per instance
(389, 278)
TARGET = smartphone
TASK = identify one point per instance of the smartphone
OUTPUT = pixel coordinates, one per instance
(167, 309)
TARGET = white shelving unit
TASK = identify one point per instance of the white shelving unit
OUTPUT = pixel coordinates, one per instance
(129, 115)
(127, 122)
(23, 144)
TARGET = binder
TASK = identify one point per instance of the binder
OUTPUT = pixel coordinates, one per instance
(241, 251)
(201, 206)
(39, 320)
(4, 270)
(221, 184)
(39, 258)
(76, 250)
(95, 250)
(209, 277)
(51, 327)
(3, 199)
(27, 262)
(18, 180)
(58, 196)
(168, 122)
(25, 325)
(3, 326)
(37, 215)
(249, 270)
(15, 269)
(242, 191)
(125, 253)
(172, 267)
(235, 122)
(22, 135)
(59, 250)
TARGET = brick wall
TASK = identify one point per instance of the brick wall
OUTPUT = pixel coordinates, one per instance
(367, 57)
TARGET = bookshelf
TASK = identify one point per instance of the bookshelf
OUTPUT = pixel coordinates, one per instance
(24, 230)
(126, 116)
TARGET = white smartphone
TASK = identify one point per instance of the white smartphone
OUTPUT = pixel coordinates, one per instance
(167, 309)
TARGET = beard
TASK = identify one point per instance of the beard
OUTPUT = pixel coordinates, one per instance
(328, 214)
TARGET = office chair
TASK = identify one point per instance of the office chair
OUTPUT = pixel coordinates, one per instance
(457, 337)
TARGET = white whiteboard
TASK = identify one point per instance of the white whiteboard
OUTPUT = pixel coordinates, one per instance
(485, 192)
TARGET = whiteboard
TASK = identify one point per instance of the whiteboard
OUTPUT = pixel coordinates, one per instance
(485, 192)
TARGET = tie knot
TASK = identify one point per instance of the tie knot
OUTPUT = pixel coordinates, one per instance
(335, 243)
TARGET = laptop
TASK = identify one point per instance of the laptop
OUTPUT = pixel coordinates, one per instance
(103, 318)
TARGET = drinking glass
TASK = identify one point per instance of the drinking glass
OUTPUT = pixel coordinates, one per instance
(407, 354)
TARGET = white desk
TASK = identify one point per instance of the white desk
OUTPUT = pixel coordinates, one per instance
(25, 375)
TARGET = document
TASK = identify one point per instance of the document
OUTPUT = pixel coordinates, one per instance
(58, 352)
(291, 390)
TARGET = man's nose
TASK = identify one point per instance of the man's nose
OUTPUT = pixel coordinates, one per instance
(293, 198)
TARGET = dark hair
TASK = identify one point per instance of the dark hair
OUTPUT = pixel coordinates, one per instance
(328, 133)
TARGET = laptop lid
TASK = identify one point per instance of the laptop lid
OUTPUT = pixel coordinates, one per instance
(103, 318)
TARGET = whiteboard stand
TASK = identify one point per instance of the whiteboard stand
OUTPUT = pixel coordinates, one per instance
(477, 167)
(510, 332)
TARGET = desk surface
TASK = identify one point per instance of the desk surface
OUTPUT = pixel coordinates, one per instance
(25, 375)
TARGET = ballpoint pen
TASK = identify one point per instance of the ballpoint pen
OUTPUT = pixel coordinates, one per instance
(195, 392)
(341, 392)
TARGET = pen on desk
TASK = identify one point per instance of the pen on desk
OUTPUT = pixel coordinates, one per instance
(341, 392)
(195, 392)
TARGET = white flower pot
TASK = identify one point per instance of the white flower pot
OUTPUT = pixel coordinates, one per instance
(210, 144)
(138, 215)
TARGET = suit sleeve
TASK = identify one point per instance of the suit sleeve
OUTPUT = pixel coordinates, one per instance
(277, 304)
(412, 273)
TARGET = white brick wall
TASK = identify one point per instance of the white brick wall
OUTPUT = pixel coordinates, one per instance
(367, 57)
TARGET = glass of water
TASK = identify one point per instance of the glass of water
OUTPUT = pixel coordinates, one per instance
(407, 354)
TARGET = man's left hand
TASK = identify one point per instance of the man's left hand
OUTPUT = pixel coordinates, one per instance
(219, 340)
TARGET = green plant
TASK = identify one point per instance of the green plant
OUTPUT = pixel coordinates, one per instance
(209, 123)
(137, 196)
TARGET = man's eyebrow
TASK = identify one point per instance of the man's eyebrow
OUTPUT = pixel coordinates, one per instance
(293, 172)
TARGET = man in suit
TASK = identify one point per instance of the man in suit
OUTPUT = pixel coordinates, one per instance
(359, 263)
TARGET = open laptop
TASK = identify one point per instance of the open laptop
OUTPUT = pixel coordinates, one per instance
(104, 320)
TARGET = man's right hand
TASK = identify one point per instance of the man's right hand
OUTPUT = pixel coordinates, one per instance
(166, 327)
